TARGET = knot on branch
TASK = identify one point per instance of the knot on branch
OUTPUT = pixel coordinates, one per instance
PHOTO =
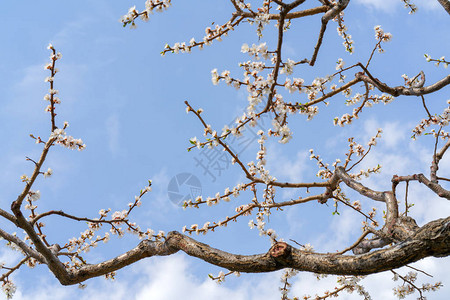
(397, 179)
(54, 249)
(280, 250)
(404, 228)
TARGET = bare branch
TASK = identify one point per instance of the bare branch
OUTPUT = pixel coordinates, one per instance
(11, 270)
(342, 4)
(365, 191)
(435, 187)
(401, 90)
(289, 16)
(22, 245)
(8, 216)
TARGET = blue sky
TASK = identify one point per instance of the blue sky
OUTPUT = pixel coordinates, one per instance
(126, 102)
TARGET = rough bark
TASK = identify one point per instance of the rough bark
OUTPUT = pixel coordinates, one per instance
(433, 239)
(401, 90)
(446, 5)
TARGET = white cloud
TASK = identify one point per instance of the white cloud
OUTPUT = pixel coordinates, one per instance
(8, 256)
(161, 278)
(286, 168)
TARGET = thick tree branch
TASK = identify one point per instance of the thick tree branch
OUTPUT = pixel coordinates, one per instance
(433, 239)
(401, 90)
(445, 4)
(435, 187)
(8, 216)
(22, 245)
(353, 184)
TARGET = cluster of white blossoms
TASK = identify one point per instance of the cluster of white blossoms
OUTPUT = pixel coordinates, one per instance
(288, 67)
(67, 141)
(340, 64)
(287, 274)
(199, 200)
(368, 101)
(365, 173)
(242, 5)
(48, 173)
(210, 226)
(257, 51)
(354, 149)
(58, 135)
(438, 61)
(357, 97)
(347, 284)
(324, 172)
(32, 197)
(251, 66)
(381, 36)
(413, 82)
(150, 6)
(351, 284)
(409, 286)
(211, 34)
(281, 130)
(51, 96)
(294, 85)
(373, 140)
(8, 288)
(261, 18)
(221, 276)
(412, 7)
(342, 31)
(345, 119)
(441, 120)
(257, 85)
(89, 239)
(261, 224)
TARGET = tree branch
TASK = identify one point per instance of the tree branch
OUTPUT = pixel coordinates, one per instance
(435, 187)
(353, 184)
(289, 16)
(445, 4)
(433, 239)
(333, 12)
(8, 216)
(436, 159)
(401, 90)
(22, 245)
